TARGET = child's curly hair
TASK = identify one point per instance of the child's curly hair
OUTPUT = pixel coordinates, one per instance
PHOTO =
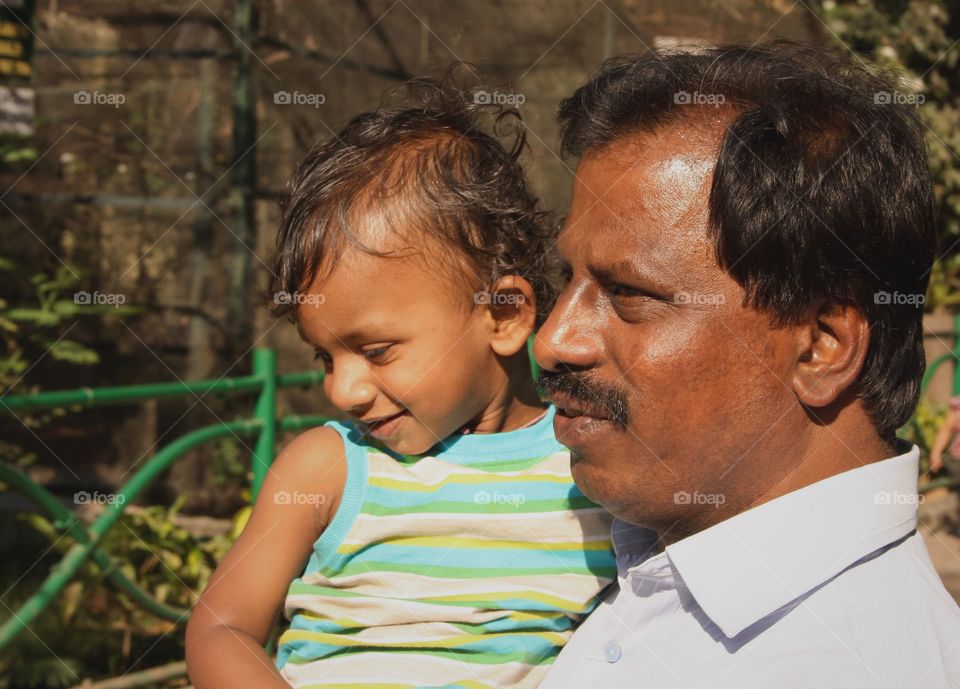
(435, 164)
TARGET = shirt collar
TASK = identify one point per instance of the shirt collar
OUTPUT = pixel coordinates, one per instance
(746, 567)
(634, 544)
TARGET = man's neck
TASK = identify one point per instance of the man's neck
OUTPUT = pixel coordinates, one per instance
(849, 442)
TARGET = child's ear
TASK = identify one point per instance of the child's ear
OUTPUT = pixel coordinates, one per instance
(512, 308)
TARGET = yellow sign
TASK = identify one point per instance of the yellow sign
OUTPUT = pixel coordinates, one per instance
(16, 40)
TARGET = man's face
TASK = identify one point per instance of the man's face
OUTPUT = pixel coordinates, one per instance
(691, 383)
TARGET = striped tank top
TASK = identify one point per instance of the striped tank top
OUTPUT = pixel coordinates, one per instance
(466, 567)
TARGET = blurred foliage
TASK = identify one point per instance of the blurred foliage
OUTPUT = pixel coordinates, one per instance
(16, 150)
(922, 429)
(36, 324)
(230, 464)
(918, 38)
(94, 629)
(36, 327)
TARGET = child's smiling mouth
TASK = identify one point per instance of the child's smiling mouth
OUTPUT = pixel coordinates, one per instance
(382, 426)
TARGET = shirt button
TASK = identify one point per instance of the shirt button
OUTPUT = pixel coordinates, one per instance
(613, 652)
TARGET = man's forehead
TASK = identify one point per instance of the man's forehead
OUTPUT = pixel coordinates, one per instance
(649, 195)
(671, 157)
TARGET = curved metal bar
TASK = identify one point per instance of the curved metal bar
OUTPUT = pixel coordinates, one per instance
(65, 520)
(64, 570)
(87, 541)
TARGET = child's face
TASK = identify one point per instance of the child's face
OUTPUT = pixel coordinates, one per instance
(406, 352)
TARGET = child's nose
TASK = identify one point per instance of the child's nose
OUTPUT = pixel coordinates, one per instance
(350, 389)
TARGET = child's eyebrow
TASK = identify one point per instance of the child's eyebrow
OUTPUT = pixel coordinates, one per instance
(302, 333)
(354, 336)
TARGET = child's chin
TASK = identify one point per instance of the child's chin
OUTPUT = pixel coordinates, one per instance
(409, 445)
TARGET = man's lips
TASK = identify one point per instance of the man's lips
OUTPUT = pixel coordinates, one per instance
(575, 421)
(573, 408)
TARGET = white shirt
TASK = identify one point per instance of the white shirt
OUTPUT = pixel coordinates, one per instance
(827, 587)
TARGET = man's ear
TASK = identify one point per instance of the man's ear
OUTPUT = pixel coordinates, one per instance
(832, 347)
(512, 309)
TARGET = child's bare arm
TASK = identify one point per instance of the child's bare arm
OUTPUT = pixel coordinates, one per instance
(231, 622)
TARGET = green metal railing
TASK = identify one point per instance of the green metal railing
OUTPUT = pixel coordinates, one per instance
(952, 355)
(264, 425)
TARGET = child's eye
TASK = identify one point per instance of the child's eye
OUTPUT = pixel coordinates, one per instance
(376, 354)
(324, 358)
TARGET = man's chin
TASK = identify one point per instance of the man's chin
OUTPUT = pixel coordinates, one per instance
(585, 475)
(606, 485)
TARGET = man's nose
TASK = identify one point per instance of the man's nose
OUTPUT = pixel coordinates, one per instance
(567, 339)
(349, 387)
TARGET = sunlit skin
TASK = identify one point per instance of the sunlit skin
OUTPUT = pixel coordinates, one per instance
(720, 401)
(395, 335)
(411, 357)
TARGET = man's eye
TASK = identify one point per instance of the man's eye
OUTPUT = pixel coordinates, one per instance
(617, 289)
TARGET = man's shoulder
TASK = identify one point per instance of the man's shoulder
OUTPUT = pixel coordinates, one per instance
(892, 600)
(886, 615)
(884, 621)
(897, 583)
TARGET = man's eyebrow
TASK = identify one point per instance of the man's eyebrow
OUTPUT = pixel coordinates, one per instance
(632, 269)
(627, 266)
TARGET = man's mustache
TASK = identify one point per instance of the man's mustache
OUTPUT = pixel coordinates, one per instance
(608, 399)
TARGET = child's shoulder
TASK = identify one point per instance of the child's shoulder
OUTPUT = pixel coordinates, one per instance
(316, 445)
(313, 464)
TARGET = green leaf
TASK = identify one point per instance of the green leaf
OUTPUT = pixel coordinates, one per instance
(73, 352)
(36, 316)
